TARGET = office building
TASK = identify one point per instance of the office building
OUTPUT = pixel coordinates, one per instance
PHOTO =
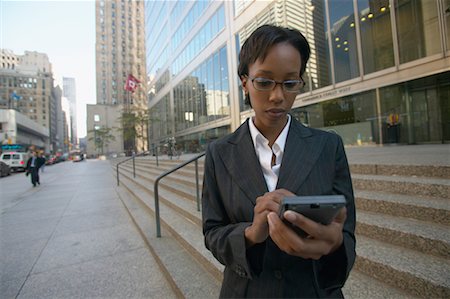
(379, 71)
(70, 92)
(9, 60)
(26, 85)
(120, 52)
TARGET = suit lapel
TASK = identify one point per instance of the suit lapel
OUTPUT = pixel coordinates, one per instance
(300, 155)
(240, 159)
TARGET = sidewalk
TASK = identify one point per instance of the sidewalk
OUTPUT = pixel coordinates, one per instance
(71, 237)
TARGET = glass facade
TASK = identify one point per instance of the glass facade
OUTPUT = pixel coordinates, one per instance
(204, 95)
(376, 35)
(365, 78)
(446, 9)
(417, 28)
(212, 27)
(353, 117)
(416, 111)
(200, 97)
(343, 40)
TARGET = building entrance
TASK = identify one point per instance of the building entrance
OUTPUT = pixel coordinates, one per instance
(428, 113)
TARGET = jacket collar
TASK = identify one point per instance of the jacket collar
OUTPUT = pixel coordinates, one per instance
(303, 148)
(301, 153)
(240, 159)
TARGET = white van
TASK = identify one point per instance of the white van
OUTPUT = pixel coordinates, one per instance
(15, 160)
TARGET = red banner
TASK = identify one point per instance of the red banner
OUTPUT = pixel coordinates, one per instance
(132, 83)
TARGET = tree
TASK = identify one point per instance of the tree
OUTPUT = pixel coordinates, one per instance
(102, 137)
(134, 128)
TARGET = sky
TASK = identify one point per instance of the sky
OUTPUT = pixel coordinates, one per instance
(62, 29)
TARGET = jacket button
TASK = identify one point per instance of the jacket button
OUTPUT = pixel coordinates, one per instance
(278, 274)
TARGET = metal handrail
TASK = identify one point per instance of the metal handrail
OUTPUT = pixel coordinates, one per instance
(134, 165)
(156, 193)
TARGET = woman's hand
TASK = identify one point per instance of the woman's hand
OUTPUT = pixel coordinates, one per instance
(269, 202)
(322, 239)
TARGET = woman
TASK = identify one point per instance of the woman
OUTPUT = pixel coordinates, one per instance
(268, 157)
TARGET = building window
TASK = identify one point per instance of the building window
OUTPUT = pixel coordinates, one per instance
(96, 117)
(447, 21)
(343, 38)
(417, 28)
(376, 35)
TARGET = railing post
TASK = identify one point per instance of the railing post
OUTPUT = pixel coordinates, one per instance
(196, 183)
(158, 225)
(156, 194)
(134, 167)
(117, 169)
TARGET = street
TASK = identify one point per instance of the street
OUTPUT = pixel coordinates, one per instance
(71, 237)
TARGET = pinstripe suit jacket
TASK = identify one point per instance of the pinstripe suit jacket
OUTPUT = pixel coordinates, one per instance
(314, 163)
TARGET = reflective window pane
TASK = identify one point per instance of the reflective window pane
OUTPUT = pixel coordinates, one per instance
(376, 35)
(224, 82)
(447, 21)
(343, 38)
(417, 29)
(309, 18)
(353, 118)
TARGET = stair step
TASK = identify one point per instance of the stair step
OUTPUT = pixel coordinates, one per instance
(167, 164)
(417, 273)
(188, 274)
(181, 189)
(409, 233)
(185, 230)
(186, 206)
(403, 185)
(183, 177)
(436, 171)
(423, 208)
(362, 286)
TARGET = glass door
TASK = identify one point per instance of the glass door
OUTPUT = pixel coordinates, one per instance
(420, 121)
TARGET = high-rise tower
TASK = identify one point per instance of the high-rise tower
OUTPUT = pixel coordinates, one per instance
(69, 91)
(120, 52)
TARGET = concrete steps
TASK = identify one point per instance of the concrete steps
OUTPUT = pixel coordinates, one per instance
(409, 206)
(431, 171)
(184, 269)
(417, 273)
(397, 224)
(183, 219)
(409, 233)
(403, 185)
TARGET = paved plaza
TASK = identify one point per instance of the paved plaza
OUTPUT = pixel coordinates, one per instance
(71, 237)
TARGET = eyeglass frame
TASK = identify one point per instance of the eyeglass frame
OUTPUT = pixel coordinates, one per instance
(303, 83)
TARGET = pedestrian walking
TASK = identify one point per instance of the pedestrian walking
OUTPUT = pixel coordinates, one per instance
(32, 169)
(42, 160)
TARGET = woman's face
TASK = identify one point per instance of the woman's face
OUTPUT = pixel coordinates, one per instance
(283, 62)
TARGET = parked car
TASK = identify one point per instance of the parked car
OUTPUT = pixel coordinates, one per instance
(50, 160)
(4, 169)
(15, 160)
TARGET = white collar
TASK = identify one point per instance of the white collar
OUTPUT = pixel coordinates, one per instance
(259, 138)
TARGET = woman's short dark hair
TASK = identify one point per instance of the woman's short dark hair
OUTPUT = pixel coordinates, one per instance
(262, 39)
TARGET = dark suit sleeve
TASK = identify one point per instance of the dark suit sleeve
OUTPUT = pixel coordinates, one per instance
(223, 238)
(28, 164)
(332, 270)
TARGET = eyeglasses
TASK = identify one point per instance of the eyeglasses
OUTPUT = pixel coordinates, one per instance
(264, 84)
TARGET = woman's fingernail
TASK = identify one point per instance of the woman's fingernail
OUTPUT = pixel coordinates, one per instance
(270, 218)
(289, 216)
